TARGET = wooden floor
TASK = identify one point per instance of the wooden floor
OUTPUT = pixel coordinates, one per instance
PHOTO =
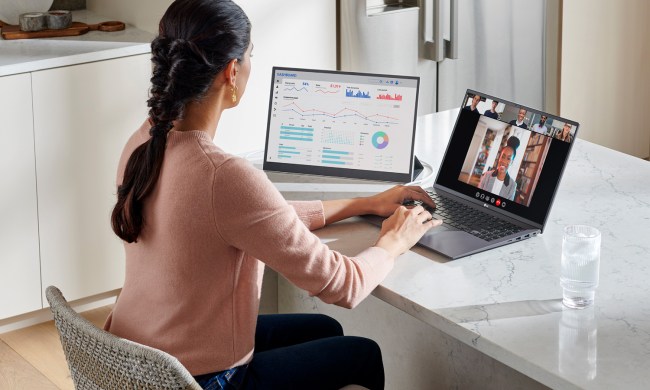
(32, 358)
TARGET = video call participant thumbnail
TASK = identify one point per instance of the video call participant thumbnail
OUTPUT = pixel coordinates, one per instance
(519, 122)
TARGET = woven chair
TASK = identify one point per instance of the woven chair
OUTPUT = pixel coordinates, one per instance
(100, 360)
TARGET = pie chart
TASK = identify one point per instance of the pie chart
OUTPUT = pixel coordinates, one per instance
(380, 140)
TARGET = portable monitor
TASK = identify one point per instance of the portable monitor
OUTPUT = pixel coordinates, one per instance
(344, 124)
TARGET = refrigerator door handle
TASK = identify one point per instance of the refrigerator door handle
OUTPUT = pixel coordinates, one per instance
(433, 50)
(439, 48)
(451, 45)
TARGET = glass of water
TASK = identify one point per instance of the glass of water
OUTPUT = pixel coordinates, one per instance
(580, 265)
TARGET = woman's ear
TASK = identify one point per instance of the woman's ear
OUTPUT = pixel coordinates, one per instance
(231, 72)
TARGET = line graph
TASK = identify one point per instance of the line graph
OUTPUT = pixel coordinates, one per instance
(296, 89)
(343, 113)
(325, 91)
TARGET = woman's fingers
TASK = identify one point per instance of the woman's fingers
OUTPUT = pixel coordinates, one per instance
(417, 193)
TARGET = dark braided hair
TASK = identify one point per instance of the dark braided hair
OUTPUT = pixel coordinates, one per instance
(197, 39)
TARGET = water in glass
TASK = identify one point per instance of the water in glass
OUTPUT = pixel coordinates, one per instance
(580, 265)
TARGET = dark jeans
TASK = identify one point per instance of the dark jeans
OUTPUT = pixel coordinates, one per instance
(304, 351)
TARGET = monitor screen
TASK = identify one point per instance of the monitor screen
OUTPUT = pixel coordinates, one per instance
(344, 124)
(507, 155)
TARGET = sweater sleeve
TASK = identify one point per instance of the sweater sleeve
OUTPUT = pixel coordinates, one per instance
(251, 215)
(311, 213)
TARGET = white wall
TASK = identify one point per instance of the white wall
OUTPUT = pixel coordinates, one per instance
(143, 14)
(292, 33)
(605, 81)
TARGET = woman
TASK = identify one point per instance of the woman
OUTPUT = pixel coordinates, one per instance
(195, 221)
(498, 180)
(565, 134)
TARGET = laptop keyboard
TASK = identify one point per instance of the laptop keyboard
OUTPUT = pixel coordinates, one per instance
(471, 220)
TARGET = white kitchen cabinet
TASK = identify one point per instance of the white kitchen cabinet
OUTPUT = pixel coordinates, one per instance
(20, 281)
(83, 116)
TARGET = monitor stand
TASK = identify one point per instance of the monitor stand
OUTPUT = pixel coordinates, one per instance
(417, 167)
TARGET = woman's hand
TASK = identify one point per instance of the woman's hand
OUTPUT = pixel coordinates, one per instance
(404, 228)
(382, 204)
(385, 203)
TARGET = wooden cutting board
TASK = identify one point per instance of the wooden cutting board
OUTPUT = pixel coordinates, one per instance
(76, 28)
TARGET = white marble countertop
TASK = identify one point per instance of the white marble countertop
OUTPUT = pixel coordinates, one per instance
(506, 302)
(28, 55)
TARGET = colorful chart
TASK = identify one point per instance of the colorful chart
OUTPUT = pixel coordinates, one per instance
(380, 140)
(387, 96)
(358, 94)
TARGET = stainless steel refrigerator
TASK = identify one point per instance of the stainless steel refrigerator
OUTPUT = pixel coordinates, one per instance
(506, 48)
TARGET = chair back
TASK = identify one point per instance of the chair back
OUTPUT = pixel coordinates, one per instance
(100, 360)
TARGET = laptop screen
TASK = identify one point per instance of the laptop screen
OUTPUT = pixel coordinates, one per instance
(507, 156)
(344, 124)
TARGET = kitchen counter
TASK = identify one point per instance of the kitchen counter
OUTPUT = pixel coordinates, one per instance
(28, 55)
(506, 302)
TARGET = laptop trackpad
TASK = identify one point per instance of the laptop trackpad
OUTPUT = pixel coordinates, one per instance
(443, 239)
(450, 241)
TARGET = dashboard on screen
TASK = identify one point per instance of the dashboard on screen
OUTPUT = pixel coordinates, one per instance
(343, 124)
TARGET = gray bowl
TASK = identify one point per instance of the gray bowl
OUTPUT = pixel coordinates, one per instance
(32, 21)
(58, 19)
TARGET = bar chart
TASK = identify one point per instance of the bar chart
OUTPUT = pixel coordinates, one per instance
(336, 157)
(296, 133)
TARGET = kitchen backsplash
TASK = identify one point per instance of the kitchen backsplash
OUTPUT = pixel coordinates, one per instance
(69, 4)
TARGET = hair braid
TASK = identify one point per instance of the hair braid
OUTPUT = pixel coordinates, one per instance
(197, 39)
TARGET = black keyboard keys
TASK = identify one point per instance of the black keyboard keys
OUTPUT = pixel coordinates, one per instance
(471, 220)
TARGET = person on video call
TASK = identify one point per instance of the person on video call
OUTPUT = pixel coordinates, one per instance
(497, 180)
(492, 112)
(199, 224)
(519, 122)
(565, 134)
(474, 106)
(540, 127)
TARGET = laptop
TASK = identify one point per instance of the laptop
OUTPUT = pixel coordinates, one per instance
(498, 177)
(344, 124)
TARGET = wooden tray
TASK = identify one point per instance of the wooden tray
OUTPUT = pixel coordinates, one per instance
(76, 28)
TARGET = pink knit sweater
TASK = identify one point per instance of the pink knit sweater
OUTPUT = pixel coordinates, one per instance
(193, 279)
